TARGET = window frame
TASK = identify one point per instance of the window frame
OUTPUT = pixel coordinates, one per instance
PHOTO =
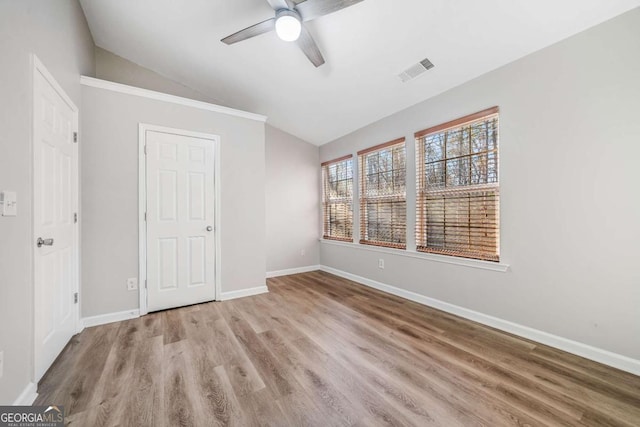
(341, 200)
(364, 199)
(423, 192)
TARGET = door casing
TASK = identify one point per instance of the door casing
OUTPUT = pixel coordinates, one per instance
(142, 205)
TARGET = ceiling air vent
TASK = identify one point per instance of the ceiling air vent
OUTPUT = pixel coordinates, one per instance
(415, 70)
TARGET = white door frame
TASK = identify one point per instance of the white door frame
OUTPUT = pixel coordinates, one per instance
(39, 68)
(142, 205)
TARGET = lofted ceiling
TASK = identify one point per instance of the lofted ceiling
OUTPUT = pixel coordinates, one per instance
(365, 46)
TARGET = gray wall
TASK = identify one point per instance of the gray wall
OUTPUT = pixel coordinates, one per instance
(58, 34)
(112, 67)
(292, 180)
(109, 197)
(292, 201)
(570, 209)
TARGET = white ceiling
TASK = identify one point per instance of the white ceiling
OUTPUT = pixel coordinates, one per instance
(365, 47)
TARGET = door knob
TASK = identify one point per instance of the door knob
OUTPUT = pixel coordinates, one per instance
(209, 228)
(44, 242)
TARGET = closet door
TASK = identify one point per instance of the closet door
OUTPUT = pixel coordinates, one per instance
(180, 220)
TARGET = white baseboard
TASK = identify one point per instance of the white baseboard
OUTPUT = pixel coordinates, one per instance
(289, 271)
(103, 319)
(593, 353)
(225, 296)
(28, 395)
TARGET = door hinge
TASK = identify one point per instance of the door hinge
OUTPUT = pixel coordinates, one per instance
(145, 150)
(75, 137)
(75, 218)
(145, 283)
(75, 298)
(145, 216)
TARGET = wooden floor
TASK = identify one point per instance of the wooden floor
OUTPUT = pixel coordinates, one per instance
(320, 350)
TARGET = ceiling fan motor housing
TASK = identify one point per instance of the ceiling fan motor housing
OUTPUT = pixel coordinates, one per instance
(288, 12)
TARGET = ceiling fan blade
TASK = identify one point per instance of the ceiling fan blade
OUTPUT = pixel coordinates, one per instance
(310, 48)
(312, 9)
(280, 4)
(252, 31)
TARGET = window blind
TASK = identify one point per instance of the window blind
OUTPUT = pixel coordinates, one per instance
(383, 195)
(457, 207)
(337, 199)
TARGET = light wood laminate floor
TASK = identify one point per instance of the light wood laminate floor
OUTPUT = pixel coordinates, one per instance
(320, 350)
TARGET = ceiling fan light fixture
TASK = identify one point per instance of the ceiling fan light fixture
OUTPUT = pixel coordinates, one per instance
(288, 25)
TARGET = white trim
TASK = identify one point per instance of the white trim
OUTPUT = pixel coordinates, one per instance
(142, 207)
(103, 319)
(589, 352)
(142, 227)
(466, 262)
(217, 213)
(225, 296)
(38, 67)
(288, 271)
(159, 96)
(28, 395)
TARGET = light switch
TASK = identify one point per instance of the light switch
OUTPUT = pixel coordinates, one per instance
(8, 203)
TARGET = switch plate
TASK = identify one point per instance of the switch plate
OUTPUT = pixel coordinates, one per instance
(8, 200)
(132, 283)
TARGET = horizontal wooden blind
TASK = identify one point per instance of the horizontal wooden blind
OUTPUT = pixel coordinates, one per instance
(337, 199)
(383, 195)
(457, 209)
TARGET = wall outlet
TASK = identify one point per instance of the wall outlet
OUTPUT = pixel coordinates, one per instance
(303, 252)
(381, 263)
(132, 283)
(1, 363)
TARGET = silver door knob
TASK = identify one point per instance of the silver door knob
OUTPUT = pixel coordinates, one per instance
(44, 242)
(209, 228)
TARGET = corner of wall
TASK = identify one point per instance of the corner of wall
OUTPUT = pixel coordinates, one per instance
(292, 174)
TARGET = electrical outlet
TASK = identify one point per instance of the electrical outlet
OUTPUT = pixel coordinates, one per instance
(381, 263)
(132, 283)
(302, 252)
(1, 363)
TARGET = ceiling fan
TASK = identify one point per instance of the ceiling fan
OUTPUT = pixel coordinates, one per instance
(288, 24)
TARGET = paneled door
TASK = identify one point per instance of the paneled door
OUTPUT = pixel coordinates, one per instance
(179, 219)
(55, 201)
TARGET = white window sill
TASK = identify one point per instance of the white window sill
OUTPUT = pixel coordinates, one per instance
(466, 262)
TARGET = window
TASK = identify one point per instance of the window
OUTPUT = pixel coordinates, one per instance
(337, 200)
(383, 195)
(457, 209)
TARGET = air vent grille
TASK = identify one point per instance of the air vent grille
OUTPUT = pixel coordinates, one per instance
(426, 64)
(416, 70)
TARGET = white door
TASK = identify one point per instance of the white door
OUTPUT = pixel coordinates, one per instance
(55, 200)
(180, 220)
